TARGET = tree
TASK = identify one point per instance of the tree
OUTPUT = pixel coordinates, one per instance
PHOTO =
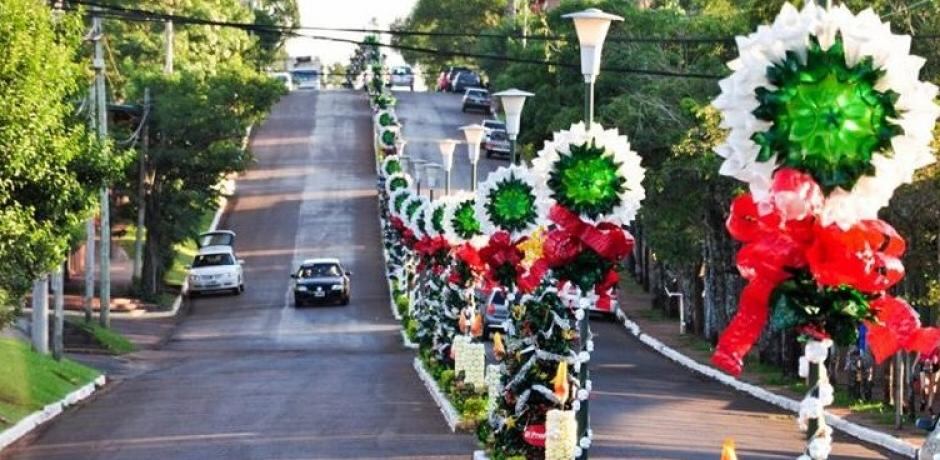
(200, 112)
(336, 74)
(446, 16)
(50, 166)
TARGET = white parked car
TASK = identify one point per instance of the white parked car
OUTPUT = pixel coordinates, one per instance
(402, 76)
(215, 268)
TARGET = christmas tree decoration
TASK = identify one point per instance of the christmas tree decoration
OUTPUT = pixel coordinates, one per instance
(593, 174)
(510, 201)
(832, 94)
(827, 118)
(540, 368)
(561, 435)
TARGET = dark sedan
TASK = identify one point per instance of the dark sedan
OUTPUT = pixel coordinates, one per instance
(321, 280)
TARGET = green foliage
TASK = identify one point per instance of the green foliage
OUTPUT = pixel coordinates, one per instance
(50, 165)
(30, 381)
(110, 340)
(200, 113)
(449, 16)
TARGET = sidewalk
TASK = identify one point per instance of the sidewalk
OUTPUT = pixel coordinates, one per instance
(637, 306)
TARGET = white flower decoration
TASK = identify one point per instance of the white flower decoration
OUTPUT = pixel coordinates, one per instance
(397, 179)
(386, 163)
(412, 221)
(451, 203)
(863, 35)
(540, 201)
(394, 197)
(616, 145)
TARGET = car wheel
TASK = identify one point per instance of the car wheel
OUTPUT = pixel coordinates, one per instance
(487, 332)
(345, 300)
(237, 291)
(463, 109)
(241, 287)
(489, 154)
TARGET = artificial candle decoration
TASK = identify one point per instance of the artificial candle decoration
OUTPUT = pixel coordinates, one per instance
(561, 435)
(832, 94)
(827, 118)
(510, 201)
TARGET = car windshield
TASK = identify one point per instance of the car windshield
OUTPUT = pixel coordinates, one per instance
(498, 136)
(489, 124)
(402, 71)
(304, 75)
(499, 298)
(476, 93)
(319, 270)
(213, 260)
(468, 78)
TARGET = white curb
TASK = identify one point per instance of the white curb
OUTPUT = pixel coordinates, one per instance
(31, 421)
(855, 430)
(450, 414)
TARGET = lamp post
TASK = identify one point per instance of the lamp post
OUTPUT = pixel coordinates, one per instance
(417, 169)
(474, 135)
(591, 25)
(446, 147)
(400, 146)
(432, 171)
(512, 101)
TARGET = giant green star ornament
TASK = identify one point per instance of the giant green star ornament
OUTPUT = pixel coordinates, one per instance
(827, 118)
(587, 181)
(511, 205)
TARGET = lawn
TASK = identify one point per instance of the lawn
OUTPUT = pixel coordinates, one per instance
(30, 381)
(107, 338)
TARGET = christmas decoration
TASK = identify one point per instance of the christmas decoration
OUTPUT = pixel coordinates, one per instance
(832, 94)
(461, 224)
(561, 435)
(510, 201)
(595, 175)
(827, 118)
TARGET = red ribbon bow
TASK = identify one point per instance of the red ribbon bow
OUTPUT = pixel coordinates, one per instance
(499, 253)
(898, 328)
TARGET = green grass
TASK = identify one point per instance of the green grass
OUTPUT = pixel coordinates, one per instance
(30, 381)
(107, 338)
(184, 253)
(653, 314)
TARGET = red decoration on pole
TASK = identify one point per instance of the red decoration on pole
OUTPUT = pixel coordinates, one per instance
(534, 435)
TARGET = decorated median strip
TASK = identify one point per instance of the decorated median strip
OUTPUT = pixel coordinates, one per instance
(826, 118)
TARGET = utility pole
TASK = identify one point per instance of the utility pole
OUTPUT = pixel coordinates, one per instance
(58, 313)
(104, 294)
(168, 39)
(142, 188)
(89, 296)
(40, 326)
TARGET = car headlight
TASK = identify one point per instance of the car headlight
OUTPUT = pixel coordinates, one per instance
(337, 287)
(194, 277)
(302, 288)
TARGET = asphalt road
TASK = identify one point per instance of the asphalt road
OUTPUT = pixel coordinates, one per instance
(250, 377)
(430, 117)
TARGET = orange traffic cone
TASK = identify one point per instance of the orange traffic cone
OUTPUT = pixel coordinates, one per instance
(727, 450)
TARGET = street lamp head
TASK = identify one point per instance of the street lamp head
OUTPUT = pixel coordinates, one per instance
(591, 25)
(474, 134)
(512, 101)
(446, 147)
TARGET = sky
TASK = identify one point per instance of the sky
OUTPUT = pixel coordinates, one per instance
(356, 14)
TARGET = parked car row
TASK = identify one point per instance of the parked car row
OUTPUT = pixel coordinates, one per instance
(494, 309)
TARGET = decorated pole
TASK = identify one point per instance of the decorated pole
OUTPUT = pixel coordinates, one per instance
(826, 118)
(591, 26)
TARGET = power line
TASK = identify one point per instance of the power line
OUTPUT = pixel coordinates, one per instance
(403, 32)
(146, 16)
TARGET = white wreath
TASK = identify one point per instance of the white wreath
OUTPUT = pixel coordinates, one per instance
(863, 35)
(614, 144)
(541, 201)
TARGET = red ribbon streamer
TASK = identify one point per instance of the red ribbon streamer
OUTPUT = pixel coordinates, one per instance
(898, 328)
